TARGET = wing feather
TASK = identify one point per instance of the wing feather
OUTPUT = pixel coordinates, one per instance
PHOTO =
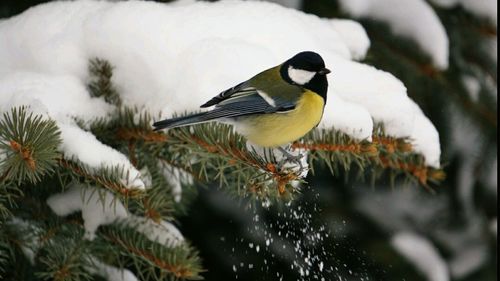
(241, 88)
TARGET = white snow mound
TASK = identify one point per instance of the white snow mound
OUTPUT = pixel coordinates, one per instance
(174, 57)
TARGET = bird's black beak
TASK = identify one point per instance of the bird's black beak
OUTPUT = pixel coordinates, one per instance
(324, 71)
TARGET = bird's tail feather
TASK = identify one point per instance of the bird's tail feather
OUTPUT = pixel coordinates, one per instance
(183, 121)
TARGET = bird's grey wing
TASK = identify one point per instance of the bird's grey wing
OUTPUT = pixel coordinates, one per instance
(235, 106)
(248, 104)
(240, 89)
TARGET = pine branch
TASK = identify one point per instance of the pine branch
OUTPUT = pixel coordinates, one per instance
(215, 152)
(4, 251)
(9, 193)
(181, 262)
(106, 177)
(413, 166)
(29, 146)
(66, 260)
(101, 73)
(211, 152)
(336, 150)
(340, 152)
(158, 203)
(220, 154)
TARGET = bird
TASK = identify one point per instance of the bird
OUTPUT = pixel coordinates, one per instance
(273, 108)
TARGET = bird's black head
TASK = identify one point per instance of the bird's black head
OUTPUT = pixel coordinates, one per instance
(307, 70)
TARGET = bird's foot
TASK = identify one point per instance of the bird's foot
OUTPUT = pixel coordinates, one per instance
(288, 157)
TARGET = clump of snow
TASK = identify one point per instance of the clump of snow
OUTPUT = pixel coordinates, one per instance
(163, 54)
(379, 93)
(354, 36)
(63, 97)
(422, 254)
(424, 132)
(98, 207)
(111, 273)
(411, 18)
(58, 96)
(164, 232)
(82, 145)
(350, 118)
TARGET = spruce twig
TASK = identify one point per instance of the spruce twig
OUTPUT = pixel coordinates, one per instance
(106, 177)
(339, 152)
(28, 146)
(181, 262)
(100, 85)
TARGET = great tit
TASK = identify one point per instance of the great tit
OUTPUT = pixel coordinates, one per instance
(273, 108)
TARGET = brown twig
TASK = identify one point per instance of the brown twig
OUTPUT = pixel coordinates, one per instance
(392, 145)
(421, 172)
(128, 134)
(151, 213)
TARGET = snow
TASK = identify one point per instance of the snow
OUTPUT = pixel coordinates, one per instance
(82, 145)
(422, 254)
(378, 92)
(410, 18)
(58, 96)
(172, 58)
(424, 132)
(482, 8)
(98, 207)
(31, 244)
(354, 36)
(111, 273)
(350, 118)
(63, 97)
(164, 232)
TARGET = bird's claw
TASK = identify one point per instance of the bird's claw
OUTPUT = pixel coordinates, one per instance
(287, 157)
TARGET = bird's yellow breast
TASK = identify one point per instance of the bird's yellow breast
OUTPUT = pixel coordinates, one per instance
(273, 130)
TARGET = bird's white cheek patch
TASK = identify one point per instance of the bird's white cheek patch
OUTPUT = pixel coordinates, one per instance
(300, 76)
(267, 98)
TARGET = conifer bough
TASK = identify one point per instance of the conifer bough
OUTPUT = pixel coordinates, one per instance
(28, 146)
